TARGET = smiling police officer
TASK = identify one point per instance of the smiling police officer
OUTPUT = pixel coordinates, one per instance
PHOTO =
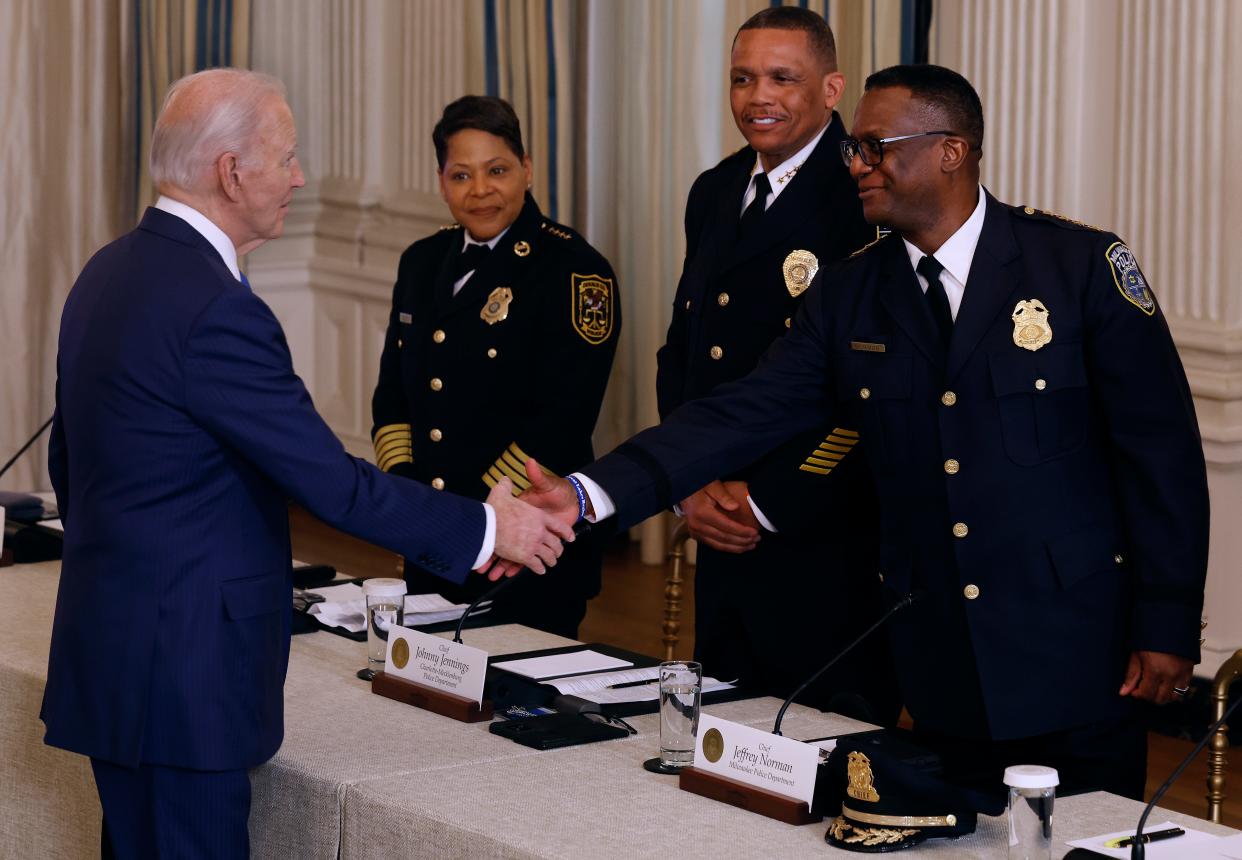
(499, 345)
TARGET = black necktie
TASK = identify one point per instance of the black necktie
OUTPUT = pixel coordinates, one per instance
(754, 212)
(929, 267)
(470, 259)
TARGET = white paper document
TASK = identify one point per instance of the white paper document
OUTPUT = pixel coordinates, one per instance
(344, 606)
(629, 685)
(1194, 845)
(556, 665)
(54, 525)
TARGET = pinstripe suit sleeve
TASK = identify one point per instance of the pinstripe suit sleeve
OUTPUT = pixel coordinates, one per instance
(241, 387)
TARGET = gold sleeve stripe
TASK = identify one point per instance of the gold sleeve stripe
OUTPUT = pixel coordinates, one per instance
(519, 479)
(836, 449)
(817, 460)
(815, 469)
(389, 445)
(831, 451)
(386, 463)
(824, 451)
(512, 462)
(390, 429)
(493, 475)
(393, 445)
(841, 431)
(518, 452)
(834, 439)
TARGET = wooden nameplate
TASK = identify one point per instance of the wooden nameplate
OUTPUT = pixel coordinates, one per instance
(748, 797)
(437, 701)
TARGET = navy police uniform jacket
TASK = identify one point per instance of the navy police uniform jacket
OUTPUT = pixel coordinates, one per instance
(1051, 498)
(514, 366)
(180, 434)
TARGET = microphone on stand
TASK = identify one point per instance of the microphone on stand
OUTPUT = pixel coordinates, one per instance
(22, 450)
(909, 600)
(580, 528)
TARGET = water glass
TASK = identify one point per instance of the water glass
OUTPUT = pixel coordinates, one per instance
(385, 609)
(681, 688)
(1032, 790)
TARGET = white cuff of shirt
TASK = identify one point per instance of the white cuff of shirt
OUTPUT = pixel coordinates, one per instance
(489, 538)
(763, 521)
(601, 502)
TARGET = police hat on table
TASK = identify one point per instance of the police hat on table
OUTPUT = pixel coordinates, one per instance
(887, 804)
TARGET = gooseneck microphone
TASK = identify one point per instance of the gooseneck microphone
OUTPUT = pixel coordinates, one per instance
(909, 600)
(580, 528)
(1138, 849)
(23, 449)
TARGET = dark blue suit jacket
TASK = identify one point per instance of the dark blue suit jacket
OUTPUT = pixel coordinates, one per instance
(181, 433)
(1079, 486)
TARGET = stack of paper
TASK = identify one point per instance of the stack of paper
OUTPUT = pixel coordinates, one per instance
(631, 685)
(344, 606)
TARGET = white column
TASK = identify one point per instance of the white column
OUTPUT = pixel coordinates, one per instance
(367, 81)
(1122, 114)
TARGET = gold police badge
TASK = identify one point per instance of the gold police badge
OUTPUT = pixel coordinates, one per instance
(713, 745)
(799, 269)
(497, 307)
(400, 653)
(592, 310)
(1031, 329)
(862, 782)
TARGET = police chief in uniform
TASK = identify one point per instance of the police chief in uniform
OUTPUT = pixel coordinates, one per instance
(758, 225)
(499, 345)
(1031, 433)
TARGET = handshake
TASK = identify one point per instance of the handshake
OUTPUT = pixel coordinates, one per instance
(531, 531)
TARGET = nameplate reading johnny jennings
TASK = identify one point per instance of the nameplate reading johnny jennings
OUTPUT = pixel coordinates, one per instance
(439, 664)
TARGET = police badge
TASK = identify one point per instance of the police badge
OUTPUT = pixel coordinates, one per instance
(497, 307)
(799, 269)
(1129, 278)
(591, 310)
(1030, 324)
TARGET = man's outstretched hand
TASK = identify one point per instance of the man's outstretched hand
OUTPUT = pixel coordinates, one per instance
(525, 535)
(719, 516)
(555, 497)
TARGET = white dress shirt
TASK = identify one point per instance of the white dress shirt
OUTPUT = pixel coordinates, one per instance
(955, 255)
(224, 246)
(491, 243)
(785, 171)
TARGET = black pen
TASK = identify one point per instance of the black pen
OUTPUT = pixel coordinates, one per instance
(1154, 836)
(632, 684)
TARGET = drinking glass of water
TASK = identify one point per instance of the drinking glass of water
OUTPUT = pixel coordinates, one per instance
(681, 687)
(385, 609)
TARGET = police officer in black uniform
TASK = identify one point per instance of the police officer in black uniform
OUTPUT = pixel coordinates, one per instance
(1031, 434)
(758, 225)
(501, 338)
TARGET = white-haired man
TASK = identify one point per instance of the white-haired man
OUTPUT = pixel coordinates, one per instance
(181, 430)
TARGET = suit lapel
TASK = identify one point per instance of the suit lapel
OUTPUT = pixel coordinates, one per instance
(903, 298)
(805, 194)
(993, 279)
(723, 234)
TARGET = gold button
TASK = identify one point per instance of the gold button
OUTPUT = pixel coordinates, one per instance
(435, 434)
(437, 483)
(881, 577)
(1117, 559)
(864, 393)
(950, 820)
(722, 299)
(438, 335)
(491, 353)
(788, 322)
(952, 467)
(1029, 211)
(971, 592)
(948, 398)
(1040, 385)
(436, 384)
(960, 530)
(400, 343)
(717, 353)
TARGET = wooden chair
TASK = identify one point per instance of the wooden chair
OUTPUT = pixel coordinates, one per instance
(1225, 676)
(672, 589)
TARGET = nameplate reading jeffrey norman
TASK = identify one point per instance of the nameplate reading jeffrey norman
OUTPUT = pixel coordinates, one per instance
(436, 663)
(755, 757)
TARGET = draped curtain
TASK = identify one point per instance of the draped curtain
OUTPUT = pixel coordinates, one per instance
(81, 82)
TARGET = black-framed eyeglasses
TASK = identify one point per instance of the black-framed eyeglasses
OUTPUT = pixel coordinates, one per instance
(871, 149)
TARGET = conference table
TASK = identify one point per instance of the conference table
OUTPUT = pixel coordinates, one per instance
(361, 776)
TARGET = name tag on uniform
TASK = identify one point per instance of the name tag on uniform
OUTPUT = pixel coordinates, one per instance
(866, 346)
(405, 318)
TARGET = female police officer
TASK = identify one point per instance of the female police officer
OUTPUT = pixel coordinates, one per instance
(499, 345)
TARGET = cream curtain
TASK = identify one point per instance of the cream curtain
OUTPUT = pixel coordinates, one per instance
(66, 170)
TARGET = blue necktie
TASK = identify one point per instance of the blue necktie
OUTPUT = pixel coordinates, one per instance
(245, 281)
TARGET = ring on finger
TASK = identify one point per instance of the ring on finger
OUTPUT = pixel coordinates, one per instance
(1181, 691)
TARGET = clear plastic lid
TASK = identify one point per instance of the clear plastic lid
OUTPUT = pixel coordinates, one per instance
(1031, 776)
(383, 587)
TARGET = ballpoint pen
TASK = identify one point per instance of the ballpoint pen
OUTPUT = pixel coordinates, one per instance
(1154, 836)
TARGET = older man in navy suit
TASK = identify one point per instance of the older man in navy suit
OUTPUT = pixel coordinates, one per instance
(1030, 433)
(180, 433)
